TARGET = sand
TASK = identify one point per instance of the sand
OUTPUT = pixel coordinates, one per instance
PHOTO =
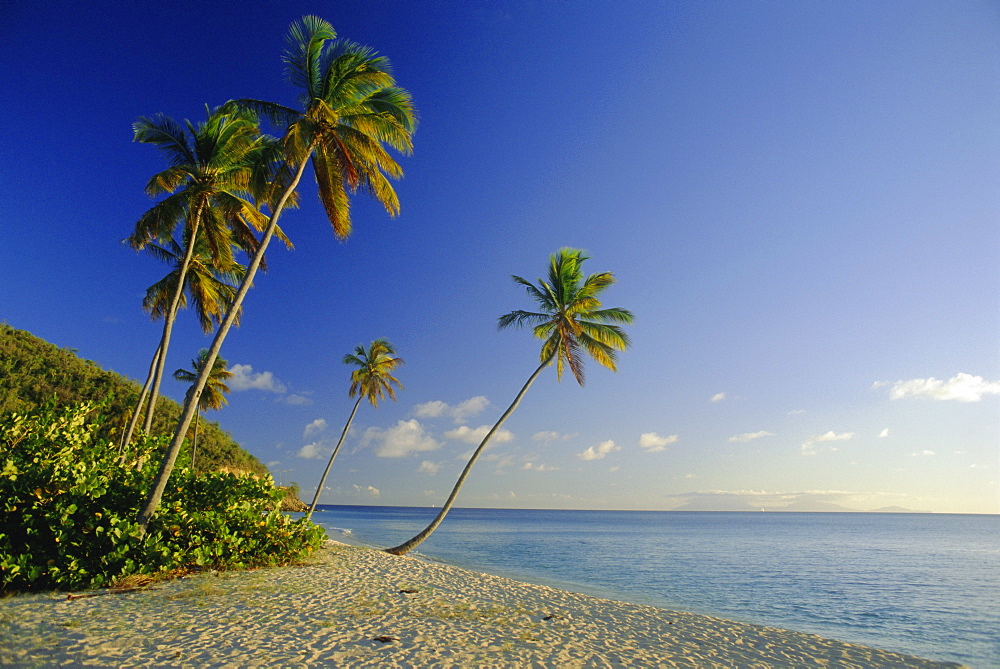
(334, 610)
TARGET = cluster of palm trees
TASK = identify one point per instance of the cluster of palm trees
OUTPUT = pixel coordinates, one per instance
(227, 183)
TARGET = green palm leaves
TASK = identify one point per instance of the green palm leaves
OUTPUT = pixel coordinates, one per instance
(373, 379)
(572, 320)
(351, 111)
(214, 394)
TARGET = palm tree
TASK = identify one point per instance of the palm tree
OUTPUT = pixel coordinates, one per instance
(372, 380)
(351, 109)
(571, 322)
(210, 288)
(214, 169)
(214, 395)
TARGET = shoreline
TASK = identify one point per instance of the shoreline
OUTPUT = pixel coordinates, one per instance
(332, 610)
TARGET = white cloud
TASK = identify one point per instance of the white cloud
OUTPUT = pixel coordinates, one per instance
(469, 407)
(883, 434)
(371, 491)
(598, 452)
(310, 451)
(809, 446)
(962, 388)
(298, 400)
(718, 397)
(548, 436)
(924, 453)
(428, 467)
(244, 379)
(750, 436)
(314, 427)
(470, 435)
(430, 409)
(459, 412)
(532, 467)
(653, 443)
(405, 438)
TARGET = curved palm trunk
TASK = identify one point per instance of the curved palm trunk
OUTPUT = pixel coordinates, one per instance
(194, 444)
(322, 480)
(191, 403)
(407, 546)
(134, 420)
(169, 318)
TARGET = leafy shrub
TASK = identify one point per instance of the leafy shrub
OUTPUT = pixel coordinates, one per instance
(69, 502)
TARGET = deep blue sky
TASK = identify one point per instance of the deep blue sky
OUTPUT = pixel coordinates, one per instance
(799, 200)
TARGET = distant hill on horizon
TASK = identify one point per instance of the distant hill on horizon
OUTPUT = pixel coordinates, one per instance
(33, 371)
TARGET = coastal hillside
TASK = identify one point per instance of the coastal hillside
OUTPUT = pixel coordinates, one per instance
(33, 371)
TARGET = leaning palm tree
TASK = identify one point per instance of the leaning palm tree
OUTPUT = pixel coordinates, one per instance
(214, 395)
(215, 169)
(571, 322)
(351, 110)
(372, 381)
(209, 286)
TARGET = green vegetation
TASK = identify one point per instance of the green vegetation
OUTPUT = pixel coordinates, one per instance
(69, 500)
(571, 322)
(33, 371)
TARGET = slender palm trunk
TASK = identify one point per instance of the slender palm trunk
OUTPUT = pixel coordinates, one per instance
(169, 318)
(134, 420)
(191, 404)
(322, 480)
(407, 546)
(194, 444)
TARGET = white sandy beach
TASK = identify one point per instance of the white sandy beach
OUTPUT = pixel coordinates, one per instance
(330, 612)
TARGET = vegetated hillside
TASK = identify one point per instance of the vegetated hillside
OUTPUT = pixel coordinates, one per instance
(33, 371)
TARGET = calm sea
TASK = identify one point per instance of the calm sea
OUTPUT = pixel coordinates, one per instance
(923, 584)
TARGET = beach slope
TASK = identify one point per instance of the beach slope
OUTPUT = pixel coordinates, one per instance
(353, 606)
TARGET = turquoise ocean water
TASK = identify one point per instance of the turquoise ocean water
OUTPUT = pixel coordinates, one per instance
(924, 584)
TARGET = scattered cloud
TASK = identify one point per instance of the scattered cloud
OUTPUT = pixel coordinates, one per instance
(809, 447)
(614, 469)
(244, 379)
(883, 434)
(718, 397)
(548, 436)
(532, 467)
(923, 453)
(459, 412)
(470, 435)
(371, 491)
(314, 427)
(298, 400)
(796, 412)
(654, 443)
(960, 388)
(750, 436)
(469, 408)
(804, 500)
(428, 467)
(599, 452)
(403, 439)
(310, 451)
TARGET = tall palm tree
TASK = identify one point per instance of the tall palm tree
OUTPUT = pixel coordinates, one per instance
(351, 111)
(211, 290)
(372, 381)
(214, 395)
(571, 322)
(215, 168)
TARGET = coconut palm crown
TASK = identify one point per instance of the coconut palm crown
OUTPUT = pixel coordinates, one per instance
(351, 110)
(571, 319)
(372, 380)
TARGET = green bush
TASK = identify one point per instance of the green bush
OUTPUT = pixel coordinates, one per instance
(69, 502)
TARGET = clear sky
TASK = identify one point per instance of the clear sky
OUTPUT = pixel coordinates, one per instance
(799, 200)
